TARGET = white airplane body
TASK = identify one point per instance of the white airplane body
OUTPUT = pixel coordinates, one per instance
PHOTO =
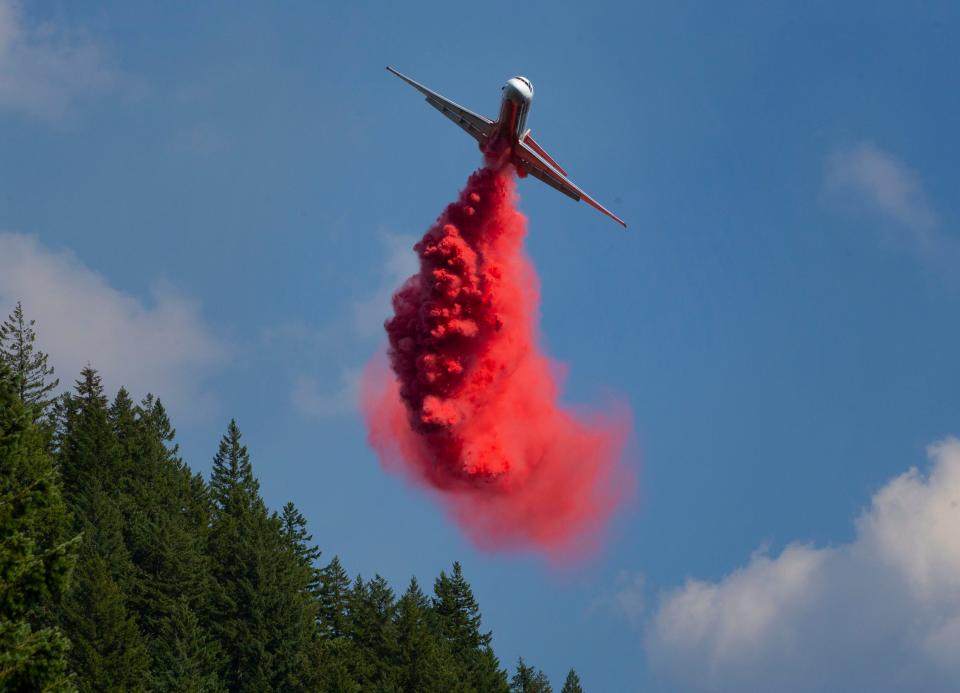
(525, 154)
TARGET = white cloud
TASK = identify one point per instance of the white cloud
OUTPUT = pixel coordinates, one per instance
(881, 613)
(163, 347)
(45, 68)
(882, 182)
(869, 178)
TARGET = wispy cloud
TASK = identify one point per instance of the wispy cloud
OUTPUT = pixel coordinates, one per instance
(45, 68)
(627, 599)
(399, 263)
(881, 613)
(873, 180)
(355, 331)
(163, 346)
(313, 402)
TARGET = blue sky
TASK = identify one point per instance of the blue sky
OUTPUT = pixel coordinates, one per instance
(214, 203)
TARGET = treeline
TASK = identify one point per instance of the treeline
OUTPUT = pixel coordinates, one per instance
(122, 570)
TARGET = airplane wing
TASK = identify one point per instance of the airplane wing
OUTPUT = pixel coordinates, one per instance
(538, 167)
(477, 126)
(528, 139)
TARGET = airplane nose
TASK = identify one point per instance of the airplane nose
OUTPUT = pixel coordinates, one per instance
(518, 88)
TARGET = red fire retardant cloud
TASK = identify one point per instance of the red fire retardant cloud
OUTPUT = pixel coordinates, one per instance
(470, 409)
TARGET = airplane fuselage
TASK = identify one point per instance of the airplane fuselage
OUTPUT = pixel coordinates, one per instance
(514, 107)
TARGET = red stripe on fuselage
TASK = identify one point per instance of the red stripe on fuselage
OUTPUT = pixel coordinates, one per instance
(507, 122)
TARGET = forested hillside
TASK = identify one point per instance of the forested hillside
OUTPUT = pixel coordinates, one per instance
(123, 570)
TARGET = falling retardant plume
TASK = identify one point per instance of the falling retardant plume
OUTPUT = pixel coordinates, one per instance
(469, 404)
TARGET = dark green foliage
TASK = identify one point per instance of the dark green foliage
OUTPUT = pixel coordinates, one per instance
(424, 662)
(527, 679)
(121, 570)
(335, 654)
(26, 363)
(371, 641)
(35, 564)
(373, 633)
(572, 683)
(88, 453)
(457, 620)
(541, 684)
(108, 651)
(187, 658)
(234, 490)
(300, 541)
(165, 529)
(266, 611)
(333, 594)
(522, 679)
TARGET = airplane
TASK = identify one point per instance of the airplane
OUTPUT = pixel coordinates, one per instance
(525, 154)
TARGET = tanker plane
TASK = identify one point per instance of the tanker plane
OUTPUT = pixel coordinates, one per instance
(510, 128)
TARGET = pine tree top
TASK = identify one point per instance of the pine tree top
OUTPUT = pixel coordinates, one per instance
(335, 568)
(233, 486)
(528, 679)
(89, 387)
(381, 594)
(122, 401)
(27, 363)
(414, 591)
(572, 683)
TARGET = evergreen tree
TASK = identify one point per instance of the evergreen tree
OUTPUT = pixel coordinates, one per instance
(572, 683)
(527, 679)
(541, 684)
(123, 420)
(27, 363)
(358, 627)
(189, 660)
(335, 652)
(236, 539)
(332, 597)
(300, 540)
(166, 537)
(459, 613)
(292, 609)
(87, 448)
(331, 667)
(109, 652)
(90, 465)
(234, 489)
(373, 632)
(457, 619)
(34, 565)
(423, 666)
(266, 613)
(522, 680)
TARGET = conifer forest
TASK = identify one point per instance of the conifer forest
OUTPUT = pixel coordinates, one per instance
(121, 569)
